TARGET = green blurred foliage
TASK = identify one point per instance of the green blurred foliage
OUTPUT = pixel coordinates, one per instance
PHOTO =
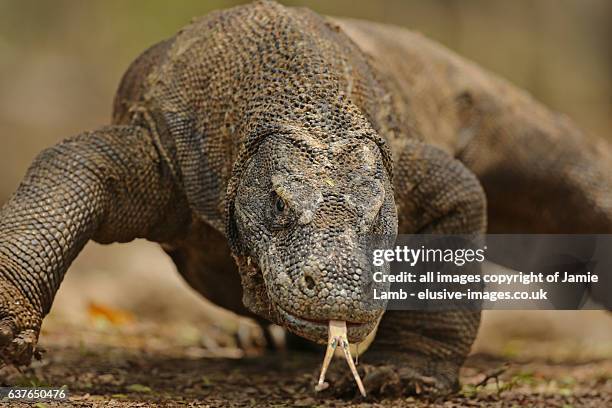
(61, 60)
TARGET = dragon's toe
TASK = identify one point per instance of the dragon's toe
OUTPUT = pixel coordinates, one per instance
(19, 327)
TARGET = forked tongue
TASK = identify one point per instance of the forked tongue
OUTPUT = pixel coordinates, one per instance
(338, 337)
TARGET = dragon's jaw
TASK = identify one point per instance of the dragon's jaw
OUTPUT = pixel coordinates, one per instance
(317, 330)
(259, 300)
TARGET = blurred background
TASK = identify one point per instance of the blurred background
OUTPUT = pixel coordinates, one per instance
(61, 61)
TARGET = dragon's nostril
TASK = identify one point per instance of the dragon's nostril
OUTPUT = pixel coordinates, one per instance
(310, 282)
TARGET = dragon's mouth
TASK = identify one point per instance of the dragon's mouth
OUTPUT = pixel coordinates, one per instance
(317, 330)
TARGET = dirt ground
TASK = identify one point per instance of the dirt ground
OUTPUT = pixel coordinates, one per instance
(141, 365)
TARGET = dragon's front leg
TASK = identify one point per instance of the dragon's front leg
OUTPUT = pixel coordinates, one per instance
(108, 185)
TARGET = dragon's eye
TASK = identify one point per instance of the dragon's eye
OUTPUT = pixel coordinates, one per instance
(282, 216)
(280, 205)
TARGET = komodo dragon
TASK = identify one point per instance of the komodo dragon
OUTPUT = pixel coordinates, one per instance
(274, 136)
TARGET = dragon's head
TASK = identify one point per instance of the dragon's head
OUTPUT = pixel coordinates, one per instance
(303, 211)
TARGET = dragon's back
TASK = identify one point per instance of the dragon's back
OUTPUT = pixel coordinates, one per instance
(220, 85)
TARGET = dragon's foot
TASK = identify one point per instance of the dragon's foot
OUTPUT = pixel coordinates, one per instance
(395, 375)
(19, 327)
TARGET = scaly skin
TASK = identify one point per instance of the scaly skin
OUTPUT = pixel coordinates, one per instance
(280, 138)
